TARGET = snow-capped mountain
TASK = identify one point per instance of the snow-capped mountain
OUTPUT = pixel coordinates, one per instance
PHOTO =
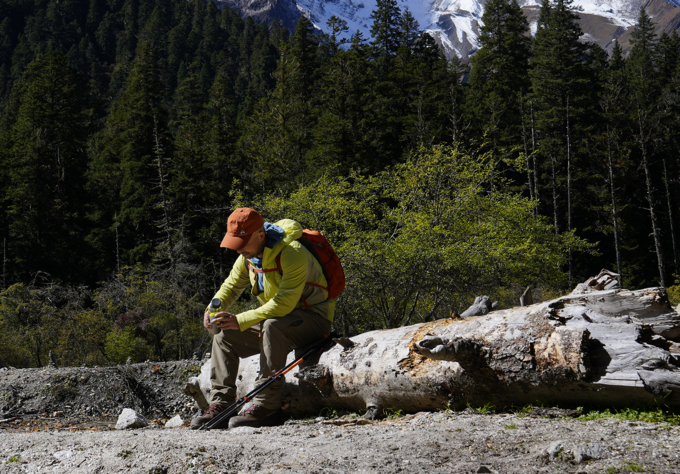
(455, 23)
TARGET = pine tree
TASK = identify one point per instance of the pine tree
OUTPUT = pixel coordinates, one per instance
(45, 197)
(385, 31)
(499, 76)
(644, 86)
(563, 93)
(340, 133)
(668, 59)
(457, 93)
(337, 27)
(304, 46)
(613, 98)
(409, 30)
(276, 139)
(189, 177)
(125, 172)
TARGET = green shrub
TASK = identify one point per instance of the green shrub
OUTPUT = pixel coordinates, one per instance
(674, 295)
(424, 238)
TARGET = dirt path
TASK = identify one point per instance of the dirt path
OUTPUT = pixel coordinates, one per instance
(426, 442)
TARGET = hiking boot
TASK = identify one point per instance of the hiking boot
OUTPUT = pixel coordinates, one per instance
(209, 415)
(257, 416)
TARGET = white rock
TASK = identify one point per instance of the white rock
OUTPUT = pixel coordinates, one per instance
(62, 455)
(244, 430)
(587, 452)
(130, 419)
(556, 448)
(175, 422)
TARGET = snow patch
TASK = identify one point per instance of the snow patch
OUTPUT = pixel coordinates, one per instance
(466, 16)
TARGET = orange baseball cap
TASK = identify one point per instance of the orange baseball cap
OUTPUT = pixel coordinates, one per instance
(241, 225)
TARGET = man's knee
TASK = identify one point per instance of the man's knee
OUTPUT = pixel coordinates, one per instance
(226, 339)
(273, 325)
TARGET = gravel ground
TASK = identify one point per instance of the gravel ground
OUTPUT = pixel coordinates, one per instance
(154, 389)
(424, 442)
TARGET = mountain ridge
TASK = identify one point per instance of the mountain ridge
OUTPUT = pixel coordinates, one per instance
(455, 24)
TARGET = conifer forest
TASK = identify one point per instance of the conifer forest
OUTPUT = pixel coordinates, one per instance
(130, 129)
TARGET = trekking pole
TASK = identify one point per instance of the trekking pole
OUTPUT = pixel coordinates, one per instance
(324, 344)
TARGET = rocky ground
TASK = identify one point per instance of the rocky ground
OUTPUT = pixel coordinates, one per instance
(74, 394)
(62, 420)
(425, 442)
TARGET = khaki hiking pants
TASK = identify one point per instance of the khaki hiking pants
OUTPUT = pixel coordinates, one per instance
(279, 336)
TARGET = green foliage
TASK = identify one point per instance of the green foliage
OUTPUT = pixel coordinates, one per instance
(499, 77)
(393, 413)
(14, 459)
(151, 319)
(134, 316)
(40, 318)
(657, 415)
(486, 409)
(45, 168)
(422, 239)
(633, 466)
(674, 295)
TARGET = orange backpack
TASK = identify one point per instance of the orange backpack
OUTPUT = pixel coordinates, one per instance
(317, 244)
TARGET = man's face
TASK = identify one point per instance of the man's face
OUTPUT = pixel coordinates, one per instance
(255, 246)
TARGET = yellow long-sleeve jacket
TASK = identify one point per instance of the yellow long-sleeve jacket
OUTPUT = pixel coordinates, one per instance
(282, 293)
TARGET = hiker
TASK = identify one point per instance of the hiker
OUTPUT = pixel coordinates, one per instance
(294, 312)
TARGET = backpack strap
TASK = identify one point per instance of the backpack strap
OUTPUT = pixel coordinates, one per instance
(267, 270)
(280, 270)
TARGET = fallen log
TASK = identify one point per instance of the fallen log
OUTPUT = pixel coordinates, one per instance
(594, 346)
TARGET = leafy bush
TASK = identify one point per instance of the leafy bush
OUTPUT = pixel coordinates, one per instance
(423, 239)
(674, 295)
(138, 314)
(152, 318)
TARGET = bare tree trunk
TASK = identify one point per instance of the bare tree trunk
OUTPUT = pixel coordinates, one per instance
(533, 152)
(650, 198)
(158, 150)
(571, 259)
(526, 151)
(615, 219)
(115, 217)
(454, 116)
(554, 190)
(671, 218)
(4, 263)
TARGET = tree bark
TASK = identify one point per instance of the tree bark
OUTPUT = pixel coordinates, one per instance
(526, 151)
(615, 219)
(571, 259)
(598, 345)
(650, 199)
(671, 217)
(554, 191)
(533, 152)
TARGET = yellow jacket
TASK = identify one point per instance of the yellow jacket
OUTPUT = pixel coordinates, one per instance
(282, 293)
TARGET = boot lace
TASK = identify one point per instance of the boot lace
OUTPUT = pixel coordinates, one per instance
(213, 408)
(251, 410)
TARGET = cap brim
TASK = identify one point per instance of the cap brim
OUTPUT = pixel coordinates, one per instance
(233, 242)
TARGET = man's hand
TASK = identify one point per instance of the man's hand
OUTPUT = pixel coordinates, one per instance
(226, 321)
(206, 320)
